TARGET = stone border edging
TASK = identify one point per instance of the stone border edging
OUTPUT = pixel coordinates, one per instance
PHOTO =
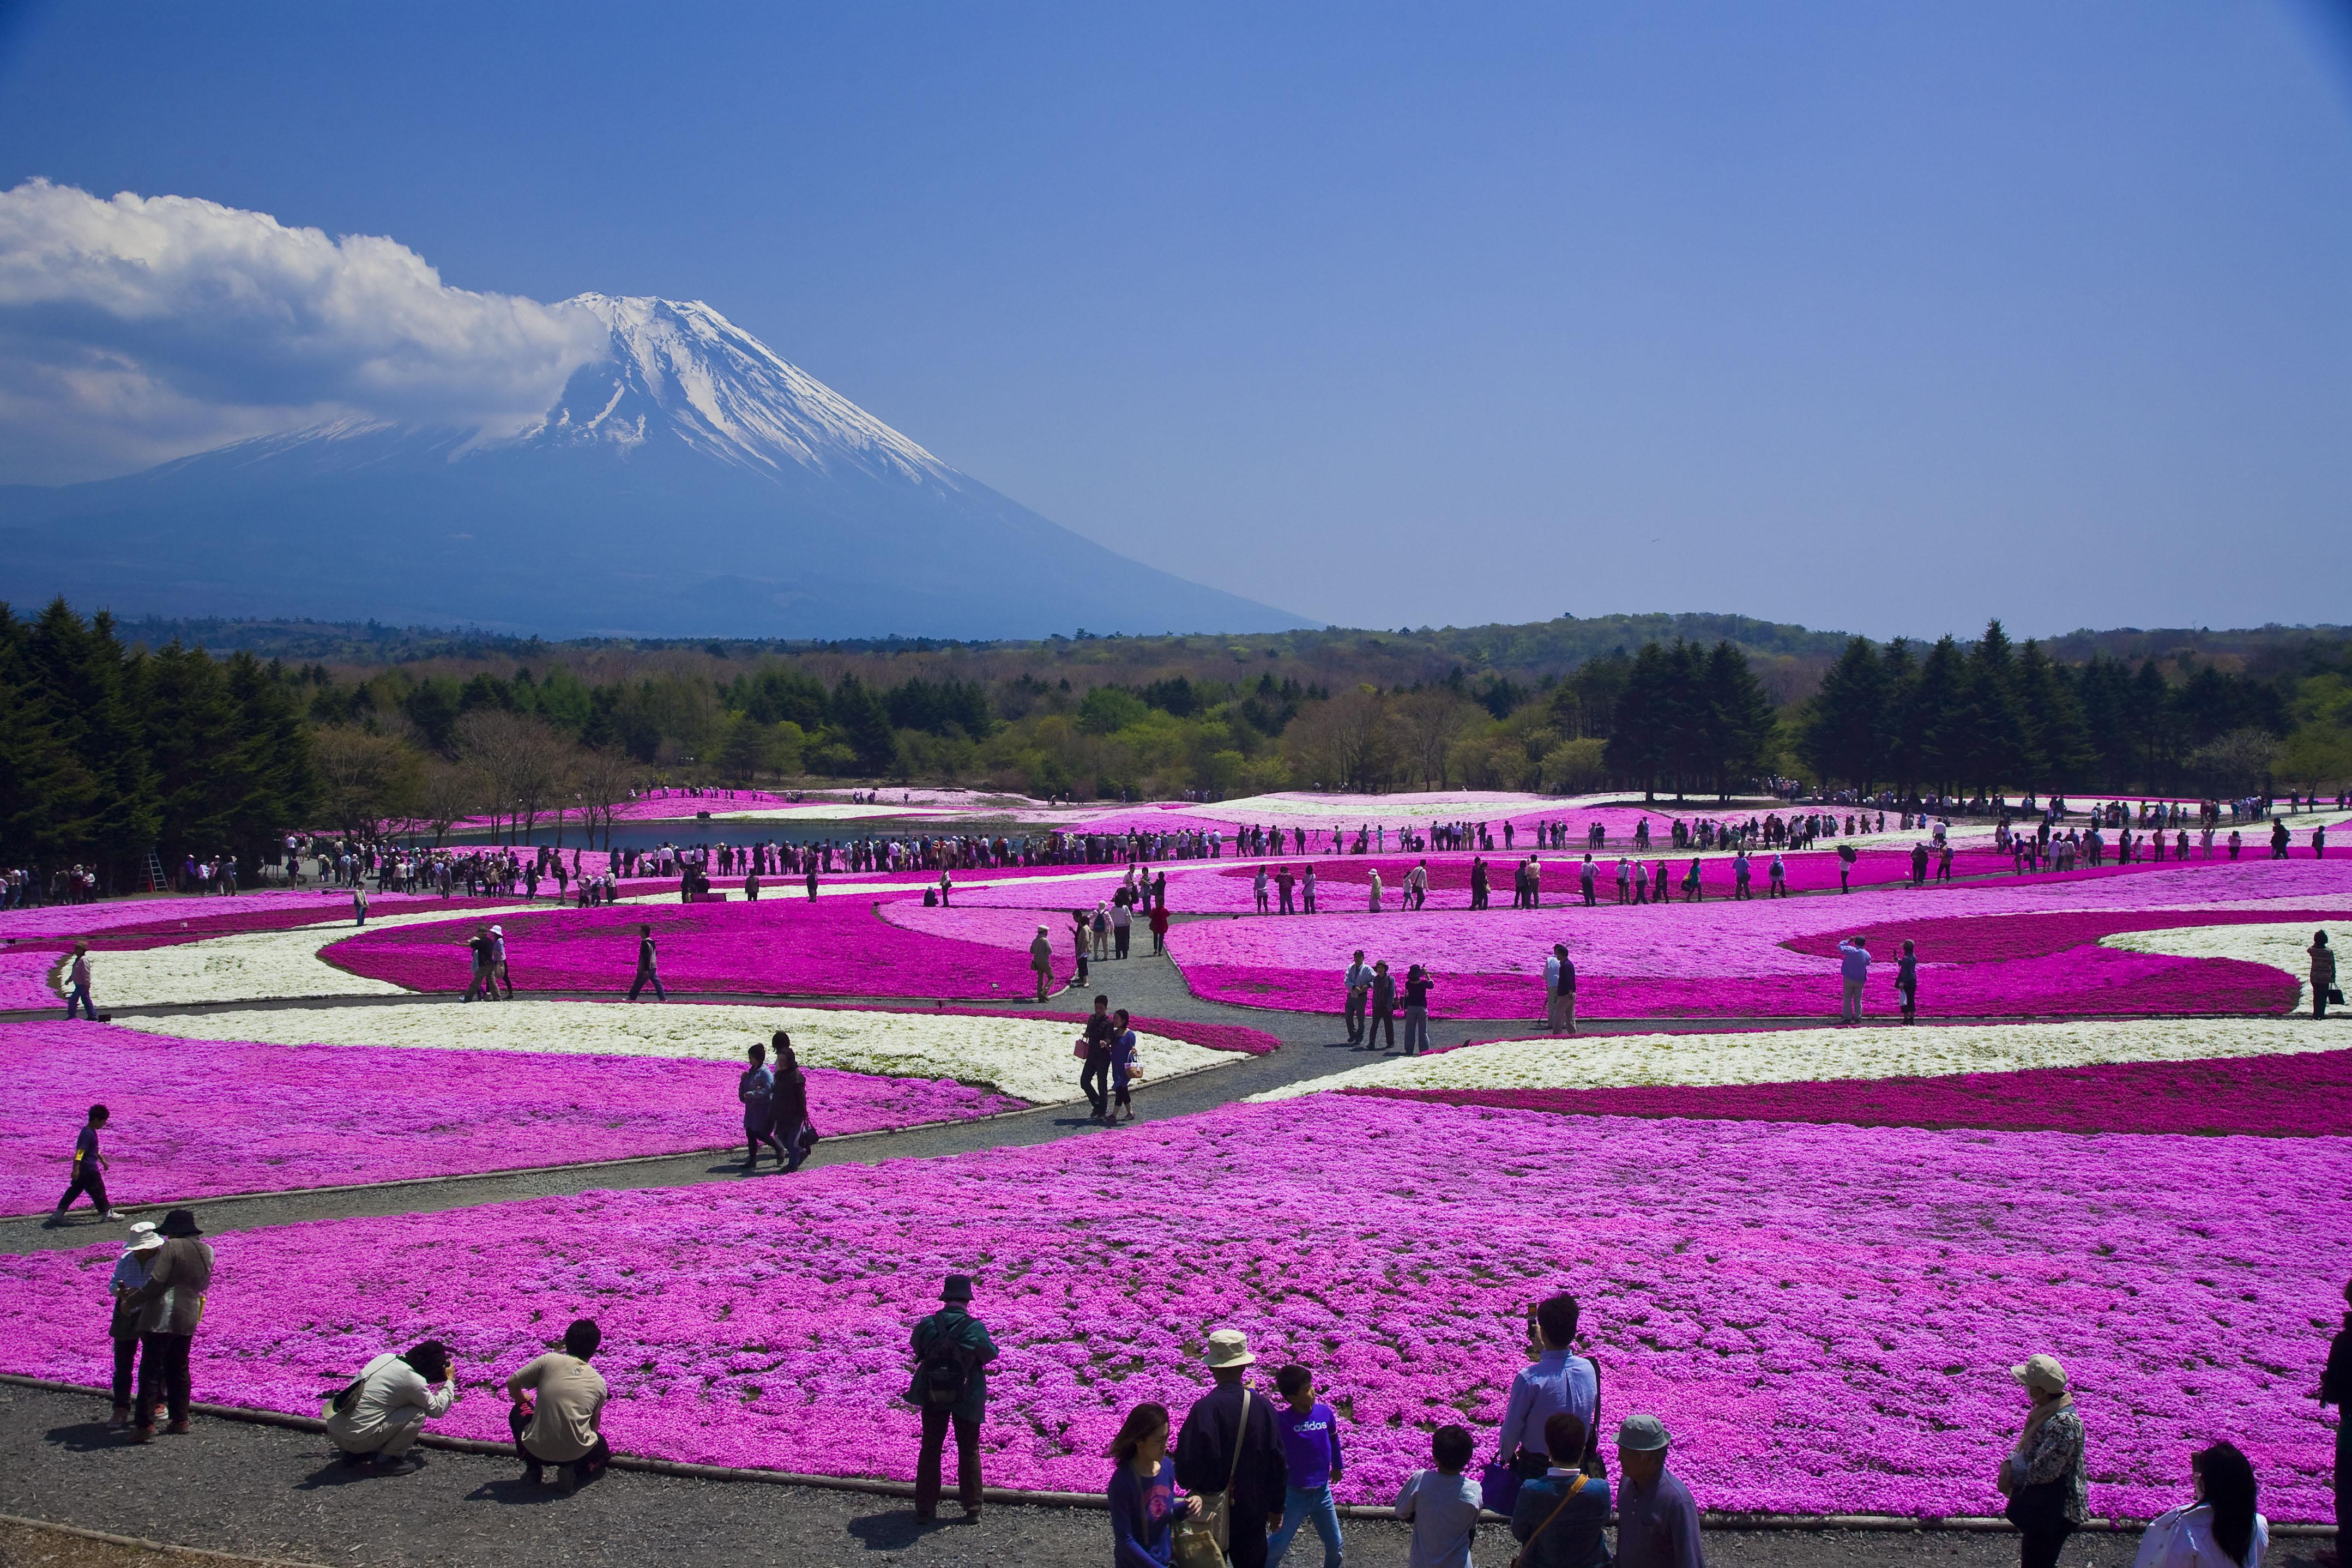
(139, 1543)
(1092, 1500)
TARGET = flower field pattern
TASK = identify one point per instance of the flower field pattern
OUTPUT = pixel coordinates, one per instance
(2272, 1096)
(1025, 1056)
(1823, 1316)
(212, 1117)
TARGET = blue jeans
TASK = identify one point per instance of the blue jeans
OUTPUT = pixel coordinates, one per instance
(1298, 1506)
(80, 995)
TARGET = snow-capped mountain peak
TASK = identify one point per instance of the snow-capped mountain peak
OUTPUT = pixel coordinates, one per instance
(679, 369)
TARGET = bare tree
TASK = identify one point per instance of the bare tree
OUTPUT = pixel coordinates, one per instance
(1429, 722)
(520, 759)
(602, 780)
(2243, 758)
(367, 779)
(1344, 741)
(451, 793)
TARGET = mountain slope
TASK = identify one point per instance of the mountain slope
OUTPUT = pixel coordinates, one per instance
(689, 483)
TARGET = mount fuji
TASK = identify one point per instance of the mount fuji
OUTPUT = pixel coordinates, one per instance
(687, 482)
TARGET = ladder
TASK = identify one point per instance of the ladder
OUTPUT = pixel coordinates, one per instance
(155, 873)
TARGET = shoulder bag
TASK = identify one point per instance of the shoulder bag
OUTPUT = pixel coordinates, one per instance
(1201, 1538)
(1519, 1558)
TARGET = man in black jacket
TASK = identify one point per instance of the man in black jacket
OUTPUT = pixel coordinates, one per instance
(1231, 1416)
(952, 1351)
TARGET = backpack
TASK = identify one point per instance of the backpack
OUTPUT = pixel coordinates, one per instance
(943, 1375)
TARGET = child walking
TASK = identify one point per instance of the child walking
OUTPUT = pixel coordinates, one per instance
(89, 1170)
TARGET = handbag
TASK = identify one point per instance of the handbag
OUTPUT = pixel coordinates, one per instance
(1201, 1538)
(2039, 1508)
(2335, 996)
(1498, 1486)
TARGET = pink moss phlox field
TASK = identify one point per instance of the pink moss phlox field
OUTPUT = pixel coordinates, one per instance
(197, 1119)
(172, 933)
(1983, 939)
(2272, 1096)
(25, 978)
(1238, 1037)
(989, 925)
(1824, 1316)
(836, 947)
(207, 915)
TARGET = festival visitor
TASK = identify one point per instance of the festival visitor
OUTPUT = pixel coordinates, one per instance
(2221, 1529)
(1845, 867)
(1228, 1455)
(1442, 1504)
(1588, 874)
(946, 887)
(1559, 991)
(1041, 961)
(1559, 1380)
(1376, 890)
(1779, 884)
(127, 1323)
(1906, 980)
(1306, 890)
(1416, 1011)
(1657, 1521)
(756, 1089)
(89, 1174)
(1284, 882)
(378, 1417)
(1692, 889)
(359, 904)
(952, 1351)
(1416, 885)
(2279, 838)
(1258, 885)
(499, 974)
(1122, 923)
(648, 973)
(565, 1426)
(177, 1279)
(1159, 922)
(2336, 1388)
(1094, 1079)
(481, 974)
(1081, 929)
(1310, 1453)
(791, 1103)
(1122, 1067)
(2323, 973)
(1143, 1506)
(810, 879)
(77, 983)
(1360, 990)
(1478, 884)
(1743, 877)
(1560, 1514)
(1383, 1007)
(2043, 1476)
(1853, 965)
(2237, 842)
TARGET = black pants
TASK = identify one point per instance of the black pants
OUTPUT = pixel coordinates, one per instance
(586, 1468)
(1119, 937)
(2036, 1550)
(89, 1180)
(2343, 1481)
(1381, 1016)
(765, 1133)
(1095, 1081)
(163, 1376)
(1249, 1539)
(967, 1437)
(126, 1352)
(1355, 1017)
(648, 977)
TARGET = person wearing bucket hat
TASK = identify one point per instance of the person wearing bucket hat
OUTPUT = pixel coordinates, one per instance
(1229, 1455)
(2043, 1476)
(127, 1320)
(952, 1351)
(1657, 1521)
(178, 1280)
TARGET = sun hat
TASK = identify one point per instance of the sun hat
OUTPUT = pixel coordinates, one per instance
(1229, 1347)
(497, 930)
(1642, 1435)
(2041, 1371)
(143, 1237)
(957, 1289)
(181, 1224)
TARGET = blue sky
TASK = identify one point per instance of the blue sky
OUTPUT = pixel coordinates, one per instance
(1886, 317)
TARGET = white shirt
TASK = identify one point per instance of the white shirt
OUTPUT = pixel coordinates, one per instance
(2184, 1539)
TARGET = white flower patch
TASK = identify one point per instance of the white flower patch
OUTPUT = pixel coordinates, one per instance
(2283, 946)
(1028, 1059)
(250, 966)
(1796, 1055)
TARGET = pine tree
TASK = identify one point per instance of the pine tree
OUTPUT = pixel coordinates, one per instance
(79, 672)
(1739, 718)
(1843, 733)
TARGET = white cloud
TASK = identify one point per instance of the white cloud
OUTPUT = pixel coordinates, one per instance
(142, 328)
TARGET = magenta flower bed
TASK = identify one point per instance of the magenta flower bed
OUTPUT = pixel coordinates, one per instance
(2272, 1096)
(1212, 1037)
(197, 1119)
(1823, 1316)
(203, 915)
(835, 947)
(25, 978)
(2086, 982)
(1979, 939)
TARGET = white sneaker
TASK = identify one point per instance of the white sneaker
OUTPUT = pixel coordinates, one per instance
(116, 1216)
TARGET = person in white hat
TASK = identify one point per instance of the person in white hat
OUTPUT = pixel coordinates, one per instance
(1229, 1455)
(130, 1321)
(2043, 1476)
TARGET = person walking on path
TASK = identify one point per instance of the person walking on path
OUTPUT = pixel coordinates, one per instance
(1081, 932)
(500, 975)
(2221, 1529)
(565, 1426)
(2336, 1388)
(2323, 973)
(1143, 1506)
(1383, 1007)
(952, 1351)
(128, 1323)
(482, 975)
(1416, 1010)
(1157, 921)
(1559, 991)
(1040, 961)
(359, 905)
(377, 1419)
(649, 969)
(1229, 1455)
(1657, 1521)
(77, 983)
(756, 1089)
(89, 1170)
(1122, 923)
(1442, 1504)
(1310, 1454)
(793, 1122)
(1360, 991)
(2043, 1476)
(179, 1280)
(1123, 1069)
(1094, 1079)
(1854, 968)
(1102, 929)
(1559, 1516)
(1906, 980)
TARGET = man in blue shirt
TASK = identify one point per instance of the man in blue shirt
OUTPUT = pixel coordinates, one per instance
(1560, 1381)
